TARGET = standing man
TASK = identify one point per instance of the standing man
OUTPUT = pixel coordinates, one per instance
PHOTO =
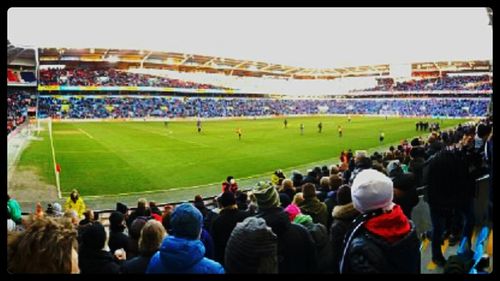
(285, 123)
(349, 118)
(301, 128)
(198, 125)
(238, 131)
(381, 138)
(320, 127)
(340, 131)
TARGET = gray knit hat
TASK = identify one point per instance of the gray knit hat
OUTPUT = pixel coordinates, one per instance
(267, 196)
(252, 248)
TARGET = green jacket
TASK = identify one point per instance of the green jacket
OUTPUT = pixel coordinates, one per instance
(15, 210)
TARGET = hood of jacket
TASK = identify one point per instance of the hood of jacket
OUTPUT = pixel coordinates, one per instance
(179, 254)
(312, 206)
(345, 212)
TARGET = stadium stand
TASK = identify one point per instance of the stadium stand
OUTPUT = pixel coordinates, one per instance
(407, 166)
(112, 77)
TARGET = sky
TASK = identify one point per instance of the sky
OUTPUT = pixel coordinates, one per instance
(303, 37)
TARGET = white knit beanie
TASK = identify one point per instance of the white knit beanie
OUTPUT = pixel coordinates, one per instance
(371, 190)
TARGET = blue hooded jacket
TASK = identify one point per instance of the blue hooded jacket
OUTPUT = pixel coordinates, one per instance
(179, 255)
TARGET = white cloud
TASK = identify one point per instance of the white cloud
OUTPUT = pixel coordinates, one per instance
(306, 37)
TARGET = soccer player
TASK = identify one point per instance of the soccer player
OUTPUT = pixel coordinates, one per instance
(340, 131)
(301, 128)
(285, 123)
(381, 138)
(166, 124)
(238, 131)
(198, 125)
(320, 127)
(349, 118)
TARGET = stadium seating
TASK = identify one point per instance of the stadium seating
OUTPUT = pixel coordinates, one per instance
(112, 77)
(158, 106)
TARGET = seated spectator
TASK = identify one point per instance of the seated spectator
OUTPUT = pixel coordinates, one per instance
(331, 196)
(75, 202)
(241, 200)
(134, 235)
(92, 256)
(89, 217)
(383, 240)
(182, 251)
(223, 225)
(151, 237)
(296, 252)
(208, 215)
(117, 239)
(405, 187)
(343, 214)
(319, 233)
(252, 248)
(72, 217)
(288, 189)
(292, 210)
(230, 185)
(46, 246)
(141, 211)
(324, 187)
(312, 206)
(155, 211)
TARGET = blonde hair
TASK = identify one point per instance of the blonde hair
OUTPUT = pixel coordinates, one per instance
(298, 199)
(152, 235)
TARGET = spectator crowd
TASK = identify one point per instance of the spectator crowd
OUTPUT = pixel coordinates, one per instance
(161, 106)
(351, 217)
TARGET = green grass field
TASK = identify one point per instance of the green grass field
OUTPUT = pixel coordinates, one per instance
(109, 157)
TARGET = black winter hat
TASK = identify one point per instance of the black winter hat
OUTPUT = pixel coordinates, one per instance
(93, 236)
(122, 208)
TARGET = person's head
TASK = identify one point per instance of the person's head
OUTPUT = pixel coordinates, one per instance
(227, 200)
(297, 178)
(252, 248)
(372, 190)
(344, 195)
(136, 227)
(335, 182)
(324, 182)
(483, 131)
(230, 180)
(267, 196)
(93, 236)
(394, 168)
(292, 210)
(334, 170)
(46, 246)
(151, 236)
(122, 208)
(71, 216)
(309, 191)
(116, 222)
(298, 198)
(362, 161)
(142, 203)
(186, 222)
(89, 215)
(287, 184)
(74, 195)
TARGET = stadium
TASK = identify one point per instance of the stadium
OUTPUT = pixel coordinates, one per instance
(276, 157)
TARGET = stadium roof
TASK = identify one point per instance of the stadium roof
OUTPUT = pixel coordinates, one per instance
(305, 38)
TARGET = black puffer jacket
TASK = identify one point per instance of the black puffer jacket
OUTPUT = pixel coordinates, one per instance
(369, 253)
(296, 248)
(343, 215)
(91, 261)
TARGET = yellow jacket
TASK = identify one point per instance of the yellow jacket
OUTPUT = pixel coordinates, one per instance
(79, 206)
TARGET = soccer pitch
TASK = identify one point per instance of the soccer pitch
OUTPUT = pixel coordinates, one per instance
(105, 158)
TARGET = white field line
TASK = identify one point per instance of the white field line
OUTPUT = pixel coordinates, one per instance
(169, 136)
(54, 161)
(88, 135)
